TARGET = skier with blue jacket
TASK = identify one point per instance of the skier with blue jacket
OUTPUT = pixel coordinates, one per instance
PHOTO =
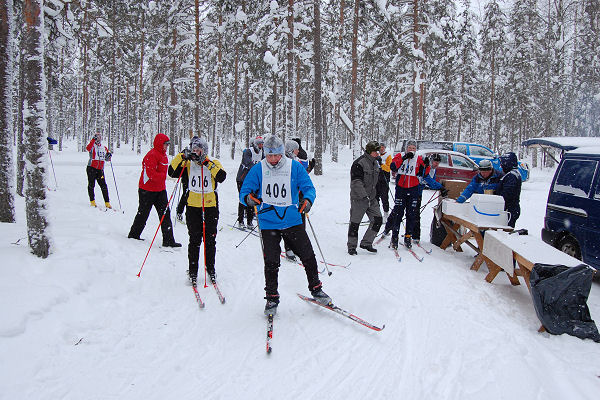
(272, 186)
(486, 179)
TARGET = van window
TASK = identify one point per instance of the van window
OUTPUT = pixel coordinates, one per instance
(597, 194)
(575, 177)
(479, 151)
(461, 148)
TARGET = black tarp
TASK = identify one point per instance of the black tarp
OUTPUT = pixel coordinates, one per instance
(560, 296)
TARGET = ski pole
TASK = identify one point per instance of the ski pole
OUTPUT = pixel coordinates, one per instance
(161, 221)
(318, 245)
(116, 187)
(262, 246)
(54, 173)
(203, 221)
(248, 234)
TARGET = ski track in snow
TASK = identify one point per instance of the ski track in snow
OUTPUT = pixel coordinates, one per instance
(81, 324)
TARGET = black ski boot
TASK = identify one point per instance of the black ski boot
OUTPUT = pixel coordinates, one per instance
(369, 248)
(290, 256)
(320, 296)
(407, 241)
(192, 278)
(271, 306)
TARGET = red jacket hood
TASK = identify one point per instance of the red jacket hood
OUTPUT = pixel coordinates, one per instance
(159, 140)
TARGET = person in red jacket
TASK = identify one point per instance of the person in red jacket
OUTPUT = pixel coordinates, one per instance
(153, 192)
(406, 166)
(95, 169)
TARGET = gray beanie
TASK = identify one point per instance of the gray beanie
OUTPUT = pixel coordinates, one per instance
(273, 145)
(290, 146)
(411, 142)
(199, 143)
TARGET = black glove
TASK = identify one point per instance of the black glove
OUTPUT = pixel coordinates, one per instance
(409, 155)
(311, 164)
(444, 192)
(108, 156)
(426, 161)
(186, 154)
(305, 207)
(252, 200)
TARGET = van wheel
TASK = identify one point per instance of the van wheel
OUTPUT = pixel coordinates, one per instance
(570, 246)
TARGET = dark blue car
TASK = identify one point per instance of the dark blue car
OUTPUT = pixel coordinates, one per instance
(572, 222)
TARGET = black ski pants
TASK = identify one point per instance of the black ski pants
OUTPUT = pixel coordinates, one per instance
(241, 208)
(297, 238)
(406, 200)
(159, 201)
(194, 218)
(93, 175)
(184, 192)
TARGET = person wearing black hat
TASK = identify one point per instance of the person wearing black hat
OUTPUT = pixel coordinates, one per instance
(509, 186)
(364, 175)
(486, 179)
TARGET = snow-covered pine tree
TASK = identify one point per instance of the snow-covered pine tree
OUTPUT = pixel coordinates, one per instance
(7, 209)
(36, 205)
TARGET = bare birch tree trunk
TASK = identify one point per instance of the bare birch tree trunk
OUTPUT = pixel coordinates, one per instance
(7, 208)
(36, 204)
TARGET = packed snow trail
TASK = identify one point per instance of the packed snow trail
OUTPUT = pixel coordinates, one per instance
(80, 324)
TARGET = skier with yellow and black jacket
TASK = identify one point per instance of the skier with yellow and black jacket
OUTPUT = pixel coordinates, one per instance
(202, 211)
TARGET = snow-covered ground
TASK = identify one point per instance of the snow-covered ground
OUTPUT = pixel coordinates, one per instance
(82, 325)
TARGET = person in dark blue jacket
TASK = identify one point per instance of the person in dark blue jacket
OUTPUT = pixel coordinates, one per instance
(272, 186)
(510, 186)
(486, 179)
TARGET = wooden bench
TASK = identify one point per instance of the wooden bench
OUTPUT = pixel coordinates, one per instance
(503, 250)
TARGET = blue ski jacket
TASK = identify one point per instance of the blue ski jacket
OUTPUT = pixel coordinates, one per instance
(275, 217)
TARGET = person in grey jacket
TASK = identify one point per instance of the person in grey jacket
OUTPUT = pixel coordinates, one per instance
(250, 157)
(364, 175)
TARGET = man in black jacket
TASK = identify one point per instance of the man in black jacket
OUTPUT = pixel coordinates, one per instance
(509, 186)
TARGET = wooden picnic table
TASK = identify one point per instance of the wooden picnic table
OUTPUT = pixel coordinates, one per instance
(453, 225)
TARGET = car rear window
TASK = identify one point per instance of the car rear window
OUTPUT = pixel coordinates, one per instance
(461, 162)
(461, 148)
(575, 177)
(479, 151)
